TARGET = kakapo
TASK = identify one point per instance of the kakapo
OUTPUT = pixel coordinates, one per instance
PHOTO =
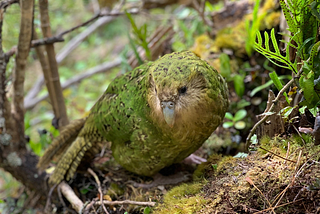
(155, 115)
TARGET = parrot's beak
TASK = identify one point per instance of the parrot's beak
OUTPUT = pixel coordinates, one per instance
(168, 112)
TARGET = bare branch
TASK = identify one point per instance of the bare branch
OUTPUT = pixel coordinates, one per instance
(5, 4)
(73, 43)
(31, 102)
(15, 159)
(102, 19)
(51, 73)
(4, 105)
(23, 48)
(59, 38)
(46, 41)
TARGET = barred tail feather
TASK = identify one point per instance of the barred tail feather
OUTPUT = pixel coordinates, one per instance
(70, 160)
(61, 143)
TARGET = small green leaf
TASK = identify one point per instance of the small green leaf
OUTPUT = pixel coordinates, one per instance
(84, 191)
(276, 81)
(229, 116)
(225, 69)
(209, 6)
(240, 125)
(240, 115)
(314, 111)
(36, 147)
(302, 109)
(285, 112)
(254, 139)
(242, 103)
(239, 86)
(214, 166)
(307, 85)
(178, 46)
(227, 125)
(146, 210)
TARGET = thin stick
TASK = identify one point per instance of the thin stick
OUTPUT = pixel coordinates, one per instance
(276, 155)
(251, 182)
(59, 37)
(271, 107)
(304, 142)
(140, 203)
(99, 188)
(278, 206)
(292, 181)
(287, 154)
(49, 197)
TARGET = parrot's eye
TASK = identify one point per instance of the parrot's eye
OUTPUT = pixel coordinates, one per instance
(182, 90)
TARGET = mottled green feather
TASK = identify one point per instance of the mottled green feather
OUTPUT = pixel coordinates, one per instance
(130, 114)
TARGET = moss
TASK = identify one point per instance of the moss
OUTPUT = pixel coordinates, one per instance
(229, 191)
(183, 199)
(115, 190)
(207, 167)
(226, 164)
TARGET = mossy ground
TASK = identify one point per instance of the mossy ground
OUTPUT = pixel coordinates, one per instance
(285, 179)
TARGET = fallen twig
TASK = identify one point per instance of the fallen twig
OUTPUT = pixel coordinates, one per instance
(99, 188)
(251, 183)
(276, 155)
(69, 194)
(139, 203)
(272, 208)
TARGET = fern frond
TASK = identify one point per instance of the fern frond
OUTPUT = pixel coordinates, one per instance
(274, 56)
(314, 52)
(290, 20)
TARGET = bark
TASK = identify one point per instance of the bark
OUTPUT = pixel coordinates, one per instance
(19, 72)
(14, 158)
(52, 75)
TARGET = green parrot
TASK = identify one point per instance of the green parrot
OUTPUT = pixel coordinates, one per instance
(156, 115)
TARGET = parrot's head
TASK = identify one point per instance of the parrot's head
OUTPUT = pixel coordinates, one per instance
(179, 89)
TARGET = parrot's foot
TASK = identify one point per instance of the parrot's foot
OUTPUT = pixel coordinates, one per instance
(167, 178)
(159, 180)
(194, 159)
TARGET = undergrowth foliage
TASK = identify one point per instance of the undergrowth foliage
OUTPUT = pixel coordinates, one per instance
(303, 18)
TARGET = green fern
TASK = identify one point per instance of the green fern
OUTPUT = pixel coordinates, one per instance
(274, 56)
(303, 21)
(314, 52)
